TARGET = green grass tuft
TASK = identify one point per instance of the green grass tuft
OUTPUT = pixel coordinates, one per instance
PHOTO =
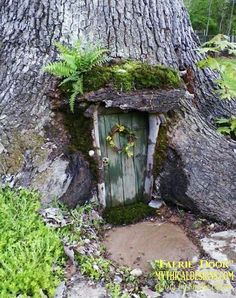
(128, 214)
(31, 254)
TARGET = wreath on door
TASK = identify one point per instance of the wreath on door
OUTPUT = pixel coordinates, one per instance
(123, 131)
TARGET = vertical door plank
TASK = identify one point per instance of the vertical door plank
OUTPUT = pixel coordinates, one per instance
(102, 139)
(140, 126)
(127, 162)
(115, 164)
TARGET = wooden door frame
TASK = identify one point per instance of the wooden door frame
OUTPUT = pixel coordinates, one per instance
(154, 125)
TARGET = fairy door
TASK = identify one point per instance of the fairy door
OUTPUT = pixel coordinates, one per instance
(123, 143)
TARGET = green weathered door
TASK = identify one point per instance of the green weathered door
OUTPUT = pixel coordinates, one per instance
(124, 176)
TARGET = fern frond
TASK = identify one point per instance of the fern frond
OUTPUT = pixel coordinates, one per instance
(59, 69)
(72, 78)
(219, 43)
(77, 89)
(93, 58)
(70, 60)
(78, 47)
(64, 49)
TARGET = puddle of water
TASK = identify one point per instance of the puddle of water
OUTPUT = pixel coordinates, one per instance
(137, 245)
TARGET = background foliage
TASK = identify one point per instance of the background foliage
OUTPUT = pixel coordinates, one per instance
(214, 16)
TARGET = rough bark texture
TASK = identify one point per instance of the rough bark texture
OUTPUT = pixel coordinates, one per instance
(152, 101)
(33, 139)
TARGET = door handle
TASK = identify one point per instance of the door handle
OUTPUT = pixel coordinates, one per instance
(105, 161)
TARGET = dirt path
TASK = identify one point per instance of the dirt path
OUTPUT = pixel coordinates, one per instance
(137, 245)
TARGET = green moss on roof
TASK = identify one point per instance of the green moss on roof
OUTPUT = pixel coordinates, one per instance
(131, 75)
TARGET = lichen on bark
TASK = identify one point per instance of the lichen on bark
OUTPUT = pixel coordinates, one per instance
(22, 142)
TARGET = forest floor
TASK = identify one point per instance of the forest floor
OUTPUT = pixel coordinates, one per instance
(69, 248)
(128, 249)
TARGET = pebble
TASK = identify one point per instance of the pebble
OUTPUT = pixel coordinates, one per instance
(136, 272)
(155, 204)
(2, 149)
(117, 279)
(151, 282)
(149, 293)
(87, 241)
(195, 259)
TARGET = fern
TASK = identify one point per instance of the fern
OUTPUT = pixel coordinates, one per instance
(77, 89)
(219, 43)
(227, 126)
(226, 68)
(75, 61)
(60, 69)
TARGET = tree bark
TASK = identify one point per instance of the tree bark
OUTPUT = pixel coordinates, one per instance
(34, 142)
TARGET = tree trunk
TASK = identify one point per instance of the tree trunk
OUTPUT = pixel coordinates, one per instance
(199, 171)
(231, 18)
(208, 16)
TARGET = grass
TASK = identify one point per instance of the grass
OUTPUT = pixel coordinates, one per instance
(31, 254)
(229, 75)
(128, 214)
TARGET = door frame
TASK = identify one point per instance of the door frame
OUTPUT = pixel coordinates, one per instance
(154, 125)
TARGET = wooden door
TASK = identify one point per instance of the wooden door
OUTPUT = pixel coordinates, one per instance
(124, 176)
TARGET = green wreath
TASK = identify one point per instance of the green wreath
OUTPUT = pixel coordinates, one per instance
(124, 131)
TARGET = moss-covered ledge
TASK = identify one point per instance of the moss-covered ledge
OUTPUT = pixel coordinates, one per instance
(129, 85)
(130, 75)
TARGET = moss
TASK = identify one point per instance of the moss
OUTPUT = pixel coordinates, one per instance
(161, 150)
(12, 161)
(128, 214)
(131, 75)
(97, 78)
(79, 128)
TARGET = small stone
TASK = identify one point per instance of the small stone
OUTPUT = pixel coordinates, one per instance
(149, 293)
(2, 149)
(211, 226)
(91, 153)
(83, 288)
(95, 215)
(97, 253)
(117, 279)
(3, 117)
(177, 294)
(87, 241)
(136, 272)
(219, 245)
(69, 251)
(195, 259)
(60, 290)
(151, 282)
(81, 250)
(155, 204)
(95, 267)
